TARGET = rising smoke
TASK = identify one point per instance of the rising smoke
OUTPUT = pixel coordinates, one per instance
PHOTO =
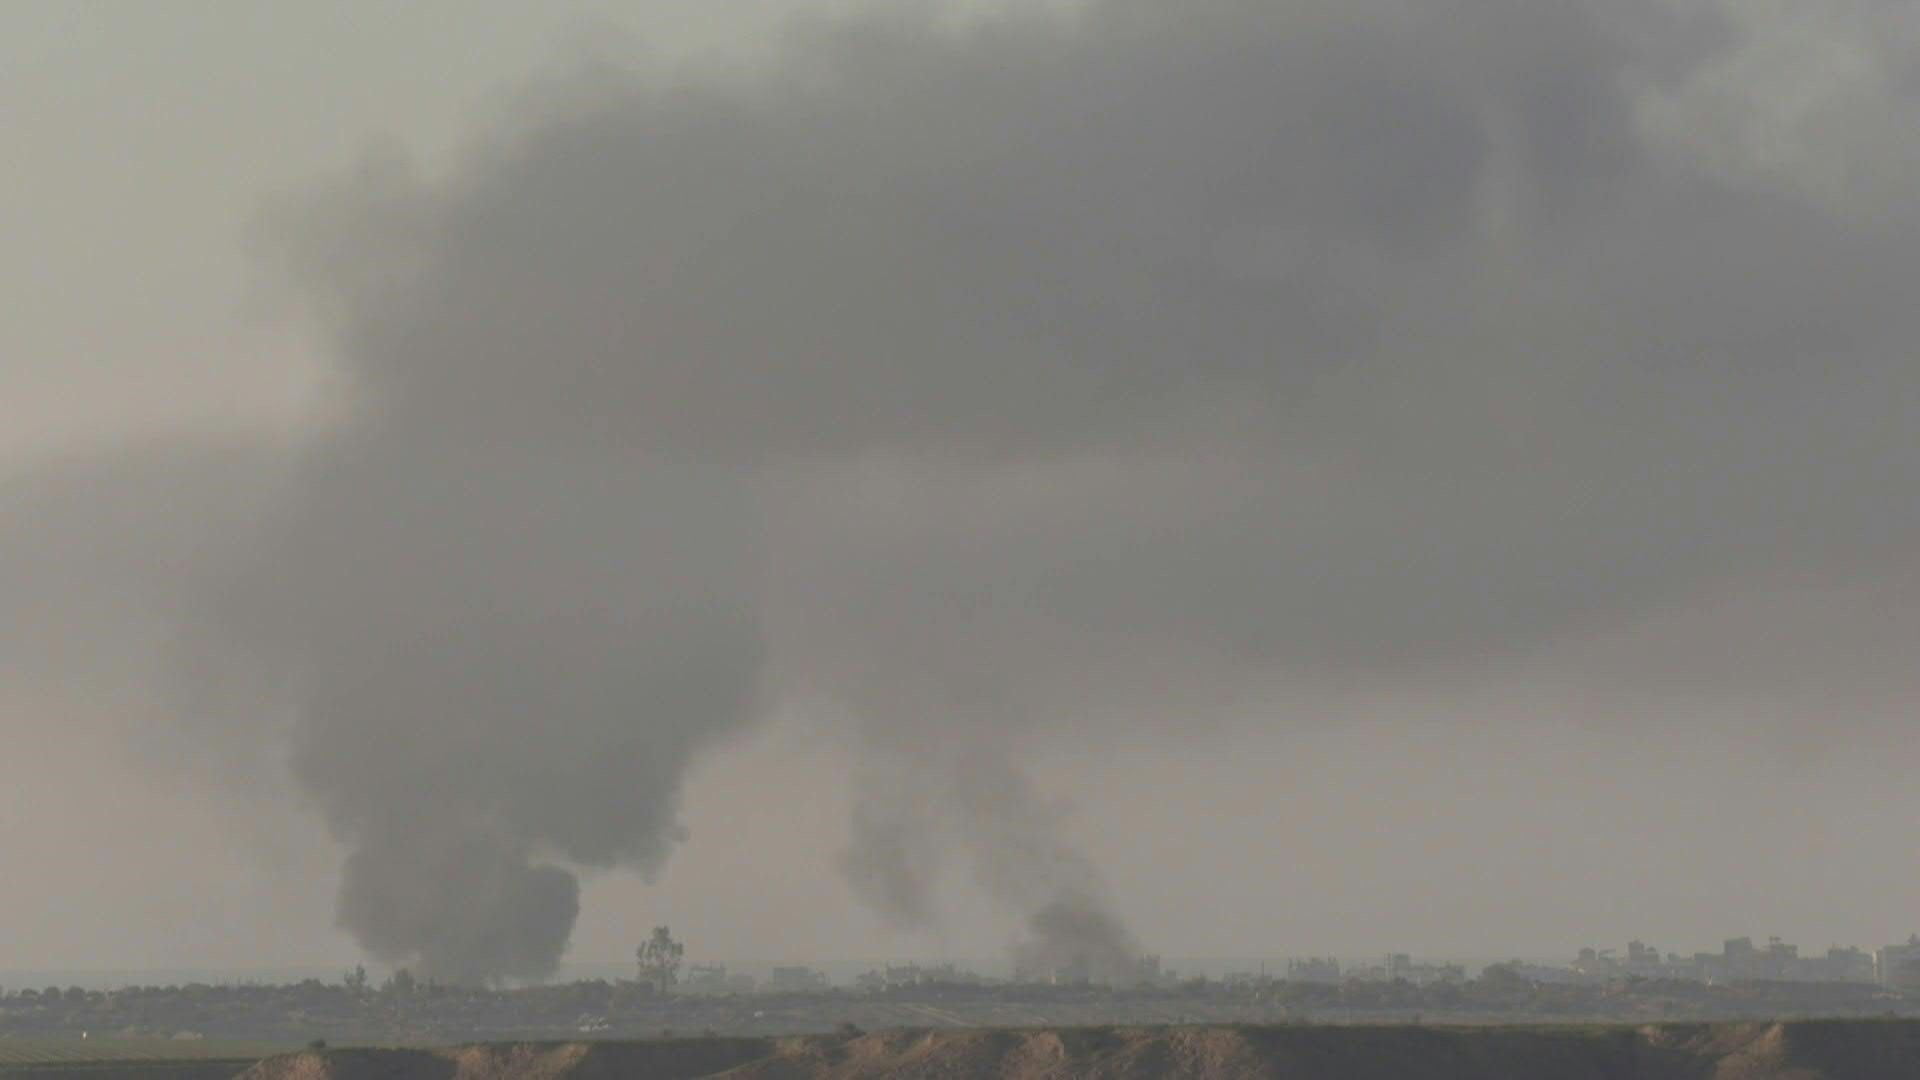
(1152, 366)
(486, 691)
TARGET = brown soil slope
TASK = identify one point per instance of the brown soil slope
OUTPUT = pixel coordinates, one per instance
(1839, 1050)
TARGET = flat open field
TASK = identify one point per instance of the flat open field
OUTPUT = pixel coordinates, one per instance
(80, 1055)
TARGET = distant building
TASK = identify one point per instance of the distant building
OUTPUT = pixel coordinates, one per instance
(1899, 965)
(897, 976)
(1148, 971)
(714, 979)
(1849, 965)
(1402, 968)
(796, 980)
(1595, 963)
(1738, 960)
(1399, 967)
(1314, 969)
(1072, 973)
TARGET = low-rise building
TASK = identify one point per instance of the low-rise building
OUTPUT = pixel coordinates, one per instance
(796, 980)
(1314, 969)
(714, 979)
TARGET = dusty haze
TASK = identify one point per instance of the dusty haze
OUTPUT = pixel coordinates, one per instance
(1228, 478)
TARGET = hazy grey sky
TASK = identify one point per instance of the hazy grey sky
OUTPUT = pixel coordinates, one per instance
(1311, 478)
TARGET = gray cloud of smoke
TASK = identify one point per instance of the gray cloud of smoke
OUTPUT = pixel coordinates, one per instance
(1152, 366)
(503, 660)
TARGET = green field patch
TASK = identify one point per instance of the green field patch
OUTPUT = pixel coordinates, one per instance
(21, 1053)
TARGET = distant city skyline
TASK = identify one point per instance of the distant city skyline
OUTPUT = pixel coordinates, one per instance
(845, 970)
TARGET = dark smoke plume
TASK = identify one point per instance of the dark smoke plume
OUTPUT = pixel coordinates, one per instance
(487, 692)
(1077, 937)
(1052, 379)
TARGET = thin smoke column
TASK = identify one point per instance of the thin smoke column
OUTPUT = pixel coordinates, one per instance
(915, 810)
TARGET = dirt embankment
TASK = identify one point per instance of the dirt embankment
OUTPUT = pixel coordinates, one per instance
(1812, 1050)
